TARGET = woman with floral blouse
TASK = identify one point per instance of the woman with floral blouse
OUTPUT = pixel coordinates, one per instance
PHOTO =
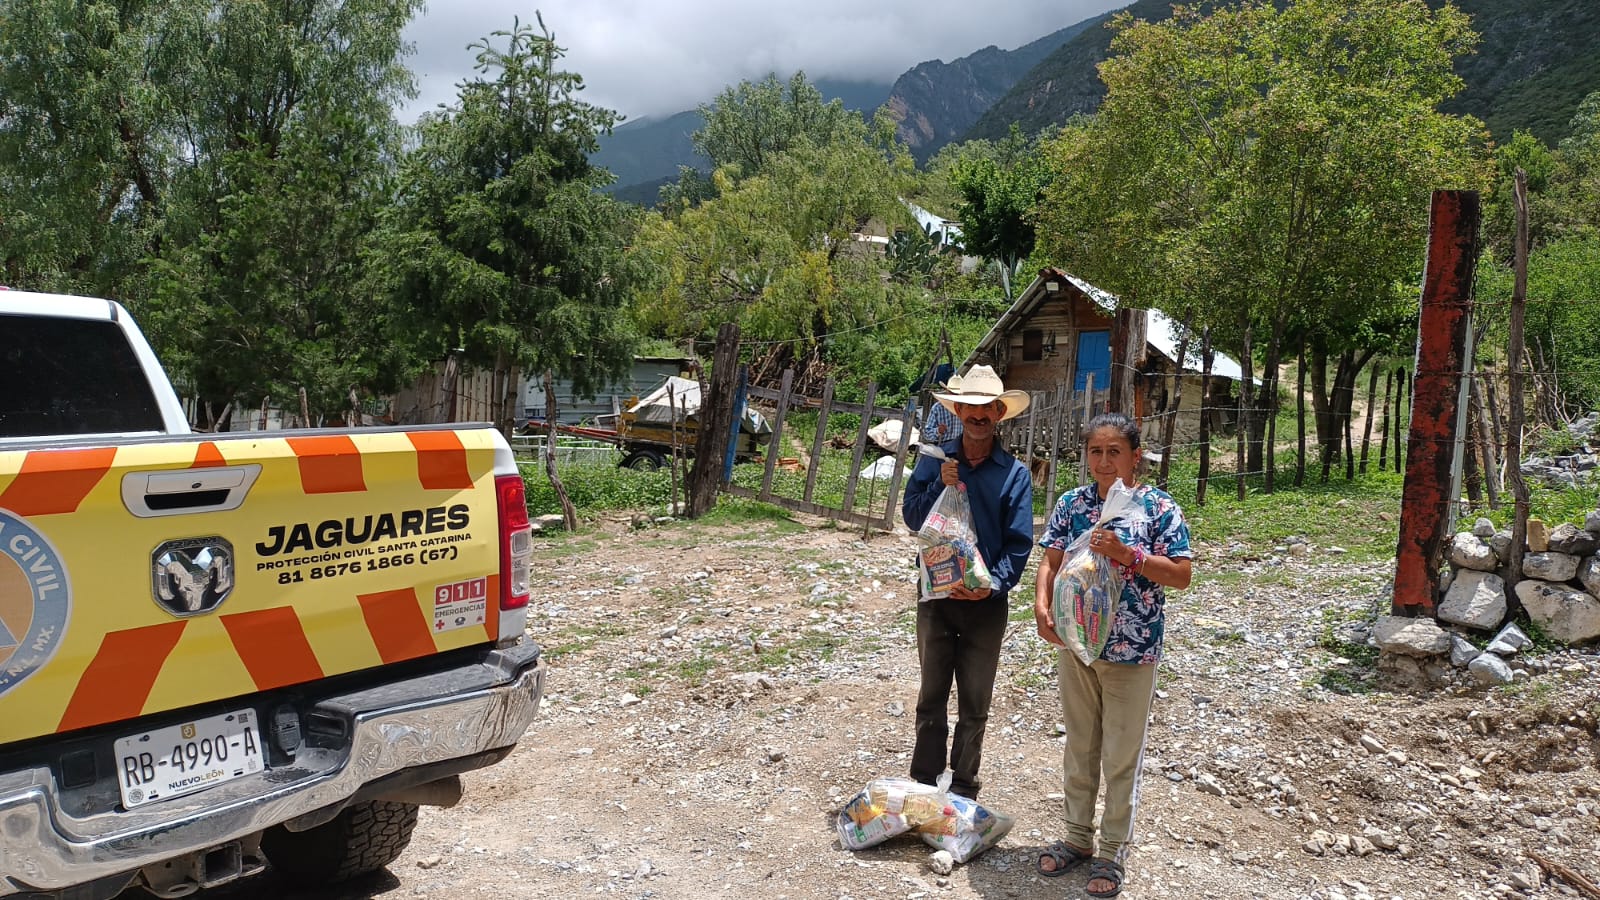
(1106, 706)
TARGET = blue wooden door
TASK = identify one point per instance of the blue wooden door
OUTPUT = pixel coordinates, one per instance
(1094, 355)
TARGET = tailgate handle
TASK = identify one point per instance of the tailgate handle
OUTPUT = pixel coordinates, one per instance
(172, 492)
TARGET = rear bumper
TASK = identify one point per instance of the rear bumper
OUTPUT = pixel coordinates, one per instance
(471, 709)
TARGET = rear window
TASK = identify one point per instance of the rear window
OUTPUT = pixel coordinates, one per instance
(70, 376)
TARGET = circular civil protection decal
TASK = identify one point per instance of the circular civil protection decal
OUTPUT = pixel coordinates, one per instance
(35, 600)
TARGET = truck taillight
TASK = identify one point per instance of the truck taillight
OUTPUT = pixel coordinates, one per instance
(516, 542)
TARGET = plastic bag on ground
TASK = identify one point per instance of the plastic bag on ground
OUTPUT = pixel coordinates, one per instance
(949, 554)
(887, 807)
(966, 830)
(1088, 587)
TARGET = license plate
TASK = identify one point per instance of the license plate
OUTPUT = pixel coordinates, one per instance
(181, 759)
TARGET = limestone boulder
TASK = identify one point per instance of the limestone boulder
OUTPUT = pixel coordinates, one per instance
(1567, 615)
(1462, 651)
(1490, 669)
(1500, 543)
(1410, 637)
(1570, 539)
(1550, 566)
(1468, 551)
(1589, 575)
(1476, 600)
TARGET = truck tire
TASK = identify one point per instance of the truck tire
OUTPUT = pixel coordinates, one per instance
(644, 460)
(363, 838)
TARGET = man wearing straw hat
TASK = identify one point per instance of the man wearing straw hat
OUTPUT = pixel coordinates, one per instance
(959, 636)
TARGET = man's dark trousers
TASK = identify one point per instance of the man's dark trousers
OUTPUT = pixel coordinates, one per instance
(956, 640)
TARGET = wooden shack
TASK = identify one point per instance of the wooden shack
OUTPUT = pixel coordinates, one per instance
(1061, 329)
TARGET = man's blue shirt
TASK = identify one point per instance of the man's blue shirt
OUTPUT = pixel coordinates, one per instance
(1000, 493)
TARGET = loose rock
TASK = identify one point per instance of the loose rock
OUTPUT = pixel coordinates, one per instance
(1550, 566)
(1566, 615)
(1469, 551)
(1411, 637)
(1476, 600)
(1488, 668)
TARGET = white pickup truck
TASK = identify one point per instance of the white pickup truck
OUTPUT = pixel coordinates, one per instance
(223, 650)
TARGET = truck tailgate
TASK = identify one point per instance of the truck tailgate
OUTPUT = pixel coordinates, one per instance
(154, 574)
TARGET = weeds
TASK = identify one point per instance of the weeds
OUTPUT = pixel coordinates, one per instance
(1350, 672)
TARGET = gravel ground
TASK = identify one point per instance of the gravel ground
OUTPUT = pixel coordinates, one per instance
(717, 693)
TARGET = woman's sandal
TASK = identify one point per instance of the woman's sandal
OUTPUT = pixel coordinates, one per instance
(1105, 870)
(1064, 857)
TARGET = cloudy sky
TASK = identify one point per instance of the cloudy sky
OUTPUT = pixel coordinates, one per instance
(657, 57)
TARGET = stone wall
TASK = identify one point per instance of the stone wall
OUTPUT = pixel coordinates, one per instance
(1559, 592)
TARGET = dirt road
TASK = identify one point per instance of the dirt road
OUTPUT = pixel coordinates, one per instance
(717, 693)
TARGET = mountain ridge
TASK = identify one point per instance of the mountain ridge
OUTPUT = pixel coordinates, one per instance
(935, 102)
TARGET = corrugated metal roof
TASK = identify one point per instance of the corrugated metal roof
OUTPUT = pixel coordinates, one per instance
(948, 231)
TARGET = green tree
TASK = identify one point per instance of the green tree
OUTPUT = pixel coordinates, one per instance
(998, 194)
(1575, 195)
(499, 239)
(1265, 169)
(751, 124)
(1528, 153)
(86, 138)
(775, 251)
(217, 166)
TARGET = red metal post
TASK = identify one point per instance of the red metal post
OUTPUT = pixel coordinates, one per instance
(1442, 334)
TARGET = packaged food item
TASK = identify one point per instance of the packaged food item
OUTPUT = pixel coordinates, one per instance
(1088, 587)
(949, 554)
(887, 807)
(966, 830)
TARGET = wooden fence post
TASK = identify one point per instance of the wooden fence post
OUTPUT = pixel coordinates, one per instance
(716, 418)
(775, 446)
(1063, 401)
(819, 438)
(1511, 572)
(900, 454)
(736, 421)
(1442, 348)
(1088, 407)
(860, 448)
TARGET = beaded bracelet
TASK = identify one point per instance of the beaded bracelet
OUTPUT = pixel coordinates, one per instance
(1132, 569)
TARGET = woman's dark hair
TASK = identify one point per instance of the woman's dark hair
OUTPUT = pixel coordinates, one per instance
(1121, 423)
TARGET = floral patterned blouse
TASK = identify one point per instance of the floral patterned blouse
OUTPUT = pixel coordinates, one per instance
(1140, 621)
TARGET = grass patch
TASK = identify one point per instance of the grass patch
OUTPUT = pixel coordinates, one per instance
(1349, 514)
(581, 638)
(1537, 695)
(596, 486)
(808, 646)
(1353, 675)
(562, 546)
(693, 671)
(732, 510)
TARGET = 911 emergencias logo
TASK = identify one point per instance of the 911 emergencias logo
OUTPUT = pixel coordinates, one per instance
(35, 600)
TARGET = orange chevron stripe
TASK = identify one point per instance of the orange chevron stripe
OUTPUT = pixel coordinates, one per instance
(120, 677)
(273, 647)
(441, 460)
(328, 465)
(207, 456)
(397, 625)
(56, 481)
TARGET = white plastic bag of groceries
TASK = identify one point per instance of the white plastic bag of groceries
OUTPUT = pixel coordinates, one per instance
(966, 830)
(1089, 586)
(950, 554)
(887, 807)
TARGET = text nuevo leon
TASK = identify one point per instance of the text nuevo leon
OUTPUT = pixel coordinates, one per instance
(332, 533)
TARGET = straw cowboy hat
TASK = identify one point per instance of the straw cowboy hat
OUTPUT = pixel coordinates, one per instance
(979, 386)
